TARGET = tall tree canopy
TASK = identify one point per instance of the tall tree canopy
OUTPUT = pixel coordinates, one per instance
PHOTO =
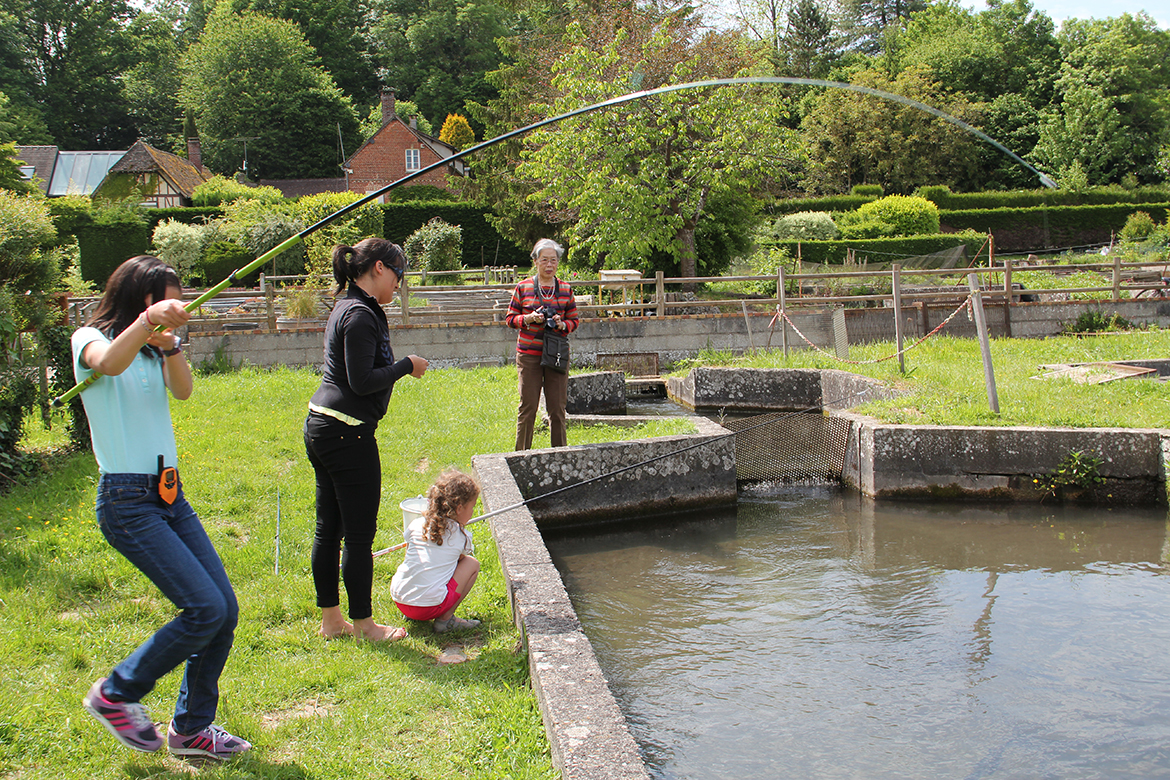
(253, 77)
(1113, 113)
(73, 54)
(436, 52)
(637, 178)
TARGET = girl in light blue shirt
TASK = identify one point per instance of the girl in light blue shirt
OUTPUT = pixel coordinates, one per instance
(144, 515)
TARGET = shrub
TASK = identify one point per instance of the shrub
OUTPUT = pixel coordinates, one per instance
(219, 190)
(1138, 227)
(69, 213)
(26, 231)
(261, 226)
(360, 223)
(180, 246)
(436, 246)
(1097, 322)
(767, 262)
(869, 190)
(806, 226)
(935, 193)
(904, 216)
(222, 258)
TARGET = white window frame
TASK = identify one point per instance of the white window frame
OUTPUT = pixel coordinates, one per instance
(413, 159)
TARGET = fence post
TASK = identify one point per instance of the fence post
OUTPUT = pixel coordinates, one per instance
(1007, 297)
(897, 272)
(1116, 277)
(783, 324)
(984, 343)
(404, 298)
(660, 292)
(270, 305)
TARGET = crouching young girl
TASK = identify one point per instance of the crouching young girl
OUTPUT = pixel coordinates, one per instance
(438, 571)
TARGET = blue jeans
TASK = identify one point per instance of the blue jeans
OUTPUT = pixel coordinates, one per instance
(168, 545)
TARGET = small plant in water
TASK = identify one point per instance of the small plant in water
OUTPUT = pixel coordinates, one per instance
(1077, 470)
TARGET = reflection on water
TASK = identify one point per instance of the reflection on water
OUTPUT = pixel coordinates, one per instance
(812, 634)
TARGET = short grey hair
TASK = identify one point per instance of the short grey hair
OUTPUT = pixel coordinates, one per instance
(547, 243)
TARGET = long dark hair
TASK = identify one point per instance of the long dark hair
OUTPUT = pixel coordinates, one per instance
(353, 262)
(126, 291)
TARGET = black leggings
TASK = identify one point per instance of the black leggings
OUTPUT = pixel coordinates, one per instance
(349, 489)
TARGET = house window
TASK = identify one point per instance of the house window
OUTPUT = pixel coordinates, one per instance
(412, 160)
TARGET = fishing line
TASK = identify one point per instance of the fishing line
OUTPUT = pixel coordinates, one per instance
(624, 469)
(627, 98)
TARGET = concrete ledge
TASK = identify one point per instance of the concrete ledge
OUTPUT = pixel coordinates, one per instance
(1000, 463)
(601, 392)
(773, 389)
(587, 732)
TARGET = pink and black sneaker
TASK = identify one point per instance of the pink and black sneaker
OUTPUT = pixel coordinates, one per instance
(127, 721)
(212, 742)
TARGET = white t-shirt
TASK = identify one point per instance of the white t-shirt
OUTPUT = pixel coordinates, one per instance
(421, 579)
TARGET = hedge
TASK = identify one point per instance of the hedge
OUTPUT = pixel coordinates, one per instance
(883, 250)
(191, 215)
(104, 247)
(1021, 229)
(991, 199)
(482, 245)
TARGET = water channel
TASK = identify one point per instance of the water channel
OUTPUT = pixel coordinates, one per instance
(812, 633)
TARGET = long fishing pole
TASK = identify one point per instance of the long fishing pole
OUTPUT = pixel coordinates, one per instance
(627, 98)
(640, 464)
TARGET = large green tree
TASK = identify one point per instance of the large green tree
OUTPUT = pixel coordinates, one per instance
(637, 179)
(256, 78)
(436, 52)
(151, 86)
(1113, 113)
(338, 30)
(853, 138)
(73, 53)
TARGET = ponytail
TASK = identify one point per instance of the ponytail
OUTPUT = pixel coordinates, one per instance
(353, 262)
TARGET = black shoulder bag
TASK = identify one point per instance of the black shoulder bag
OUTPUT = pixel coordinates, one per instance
(555, 354)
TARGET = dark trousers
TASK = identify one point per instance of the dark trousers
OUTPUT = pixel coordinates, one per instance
(349, 489)
(534, 377)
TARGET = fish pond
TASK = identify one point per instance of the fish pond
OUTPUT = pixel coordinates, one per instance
(813, 633)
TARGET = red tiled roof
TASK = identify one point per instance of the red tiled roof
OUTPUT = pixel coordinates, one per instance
(144, 158)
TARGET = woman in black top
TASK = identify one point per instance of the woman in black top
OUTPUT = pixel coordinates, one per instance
(359, 376)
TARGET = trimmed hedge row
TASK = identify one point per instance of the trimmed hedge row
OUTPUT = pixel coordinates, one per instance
(482, 245)
(882, 249)
(1022, 229)
(954, 201)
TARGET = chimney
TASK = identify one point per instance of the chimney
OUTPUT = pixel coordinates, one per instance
(414, 123)
(387, 106)
(195, 153)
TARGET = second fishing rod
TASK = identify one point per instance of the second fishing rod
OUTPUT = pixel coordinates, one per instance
(610, 474)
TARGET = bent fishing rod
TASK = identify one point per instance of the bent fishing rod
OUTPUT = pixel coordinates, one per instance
(640, 464)
(627, 98)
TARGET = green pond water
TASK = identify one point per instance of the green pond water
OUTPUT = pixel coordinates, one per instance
(811, 633)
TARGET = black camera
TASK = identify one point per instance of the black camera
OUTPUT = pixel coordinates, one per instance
(548, 313)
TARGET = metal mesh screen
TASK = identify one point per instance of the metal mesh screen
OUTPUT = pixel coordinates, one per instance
(778, 447)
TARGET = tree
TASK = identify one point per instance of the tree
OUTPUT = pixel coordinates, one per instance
(151, 87)
(808, 42)
(853, 138)
(638, 178)
(22, 124)
(252, 77)
(1113, 111)
(436, 52)
(74, 53)
(867, 23)
(457, 132)
(338, 31)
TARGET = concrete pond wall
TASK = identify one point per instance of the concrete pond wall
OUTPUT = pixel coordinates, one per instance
(587, 732)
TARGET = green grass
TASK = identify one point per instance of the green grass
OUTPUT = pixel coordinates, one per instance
(945, 385)
(71, 607)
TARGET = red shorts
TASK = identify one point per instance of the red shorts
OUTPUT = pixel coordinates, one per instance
(430, 613)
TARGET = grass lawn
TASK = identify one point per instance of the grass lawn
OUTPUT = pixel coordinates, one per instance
(71, 607)
(944, 381)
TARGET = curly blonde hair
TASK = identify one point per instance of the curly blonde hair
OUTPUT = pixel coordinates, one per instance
(450, 491)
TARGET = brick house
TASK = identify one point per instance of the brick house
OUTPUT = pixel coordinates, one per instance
(166, 180)
(397, 149)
